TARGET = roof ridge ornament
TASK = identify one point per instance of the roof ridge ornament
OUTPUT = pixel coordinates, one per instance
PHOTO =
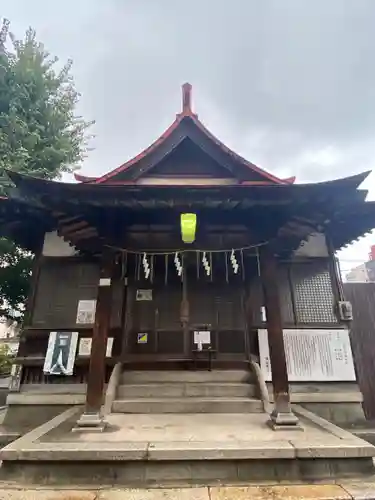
(186, 101)
(186, 98)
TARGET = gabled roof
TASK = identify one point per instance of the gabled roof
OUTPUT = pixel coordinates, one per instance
(186, 125)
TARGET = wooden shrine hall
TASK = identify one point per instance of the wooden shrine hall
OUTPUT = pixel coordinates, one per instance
(180, 257)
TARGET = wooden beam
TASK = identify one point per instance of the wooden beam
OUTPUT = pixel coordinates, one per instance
(334, 271)
(86, 232)
(282, 414)
(69, 229)
(67, 220)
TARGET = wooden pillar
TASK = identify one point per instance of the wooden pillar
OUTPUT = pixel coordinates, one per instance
(335, 275)
(282, 415)
(92, 418)
(35, 273)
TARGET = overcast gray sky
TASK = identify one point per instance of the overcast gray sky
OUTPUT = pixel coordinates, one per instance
(289, 84)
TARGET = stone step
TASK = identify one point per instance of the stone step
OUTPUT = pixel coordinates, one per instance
(186, 389)
(203, 376)
(187, 405)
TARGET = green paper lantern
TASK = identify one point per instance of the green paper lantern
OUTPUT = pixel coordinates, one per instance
(188, 227)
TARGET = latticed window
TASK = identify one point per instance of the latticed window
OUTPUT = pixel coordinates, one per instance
(313, 293)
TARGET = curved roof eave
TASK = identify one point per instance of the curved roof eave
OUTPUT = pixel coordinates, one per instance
(26, 181)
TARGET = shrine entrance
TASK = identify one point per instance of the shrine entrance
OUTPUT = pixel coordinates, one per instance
(164, 312)
(153, 327)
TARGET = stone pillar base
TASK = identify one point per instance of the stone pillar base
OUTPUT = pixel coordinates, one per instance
(90, 422)
(281, 421)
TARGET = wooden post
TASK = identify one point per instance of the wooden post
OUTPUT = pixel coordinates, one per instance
(35, 273)
(92, 418)
(282, 415)
(336, 279)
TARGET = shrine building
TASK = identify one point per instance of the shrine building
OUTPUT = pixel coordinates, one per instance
(186, 258)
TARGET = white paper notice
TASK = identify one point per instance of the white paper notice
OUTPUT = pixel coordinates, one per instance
(86, 312)
(203, 337)
(84, 348)
(312, 355)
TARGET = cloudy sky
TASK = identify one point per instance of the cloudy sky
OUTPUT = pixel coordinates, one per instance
(288, 84)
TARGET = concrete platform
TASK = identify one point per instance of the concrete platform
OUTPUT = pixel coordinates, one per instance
(185, 449)
(346, 491)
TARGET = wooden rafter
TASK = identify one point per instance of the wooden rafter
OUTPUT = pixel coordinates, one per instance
(87, 232)
(67, 220)
(72, 228)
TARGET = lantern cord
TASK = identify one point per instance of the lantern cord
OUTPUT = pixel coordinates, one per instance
(258, 261)
(124, 262)
(166, 269)
(242, 265)
(138, 267)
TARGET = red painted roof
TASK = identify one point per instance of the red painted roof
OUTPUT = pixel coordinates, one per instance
(186, 112)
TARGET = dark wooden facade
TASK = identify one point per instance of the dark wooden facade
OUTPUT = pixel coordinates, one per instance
(111, 222)
(232, 308)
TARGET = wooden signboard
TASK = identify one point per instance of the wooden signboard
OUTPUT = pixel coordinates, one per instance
(312, 355)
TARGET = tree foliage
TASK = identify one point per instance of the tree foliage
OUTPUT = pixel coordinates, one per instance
(40, 135)
(15, 272)
(6, 360)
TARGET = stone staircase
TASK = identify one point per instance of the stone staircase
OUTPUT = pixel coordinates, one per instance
(218, 391)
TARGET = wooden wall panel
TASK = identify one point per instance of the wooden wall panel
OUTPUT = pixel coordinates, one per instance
(170, 342)
(231, 342)
(61, 284)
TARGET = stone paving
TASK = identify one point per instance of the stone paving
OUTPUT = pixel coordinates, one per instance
(344, 491)
(195, 427)
(199, 427)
